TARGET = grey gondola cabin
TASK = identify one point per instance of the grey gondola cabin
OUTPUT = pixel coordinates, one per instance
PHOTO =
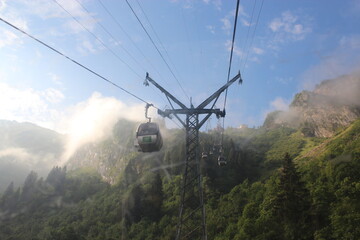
(149, 137)
(222, 161)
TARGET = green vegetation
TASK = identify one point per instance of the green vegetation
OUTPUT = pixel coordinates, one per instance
(277, 184)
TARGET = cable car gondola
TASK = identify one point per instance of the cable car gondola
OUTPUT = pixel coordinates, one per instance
(222, 161)
(148, 136)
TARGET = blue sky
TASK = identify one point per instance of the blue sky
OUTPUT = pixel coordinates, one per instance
(296, 45)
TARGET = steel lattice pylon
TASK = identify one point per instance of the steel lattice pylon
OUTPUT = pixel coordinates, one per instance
(192, 220)
(192, 216)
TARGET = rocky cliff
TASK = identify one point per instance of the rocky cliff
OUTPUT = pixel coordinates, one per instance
(333, 104)
(110, 156)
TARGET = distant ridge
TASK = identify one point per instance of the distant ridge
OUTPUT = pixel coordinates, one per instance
(25, 147)
(333, 104)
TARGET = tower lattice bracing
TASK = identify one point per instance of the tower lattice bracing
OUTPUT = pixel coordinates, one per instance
(192, 216)
(192, 219)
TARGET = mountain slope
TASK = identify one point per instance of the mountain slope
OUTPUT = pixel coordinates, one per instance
(332, 105)
(279, 183)
(25, 147)
(143, 204)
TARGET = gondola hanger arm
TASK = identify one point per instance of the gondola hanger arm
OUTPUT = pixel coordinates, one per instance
(149, 79)
(218, 92)
(146, 111)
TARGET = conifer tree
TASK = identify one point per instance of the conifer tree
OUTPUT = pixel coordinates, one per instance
(7, 198)
(154, 198)
(292, 203)
(29, 187)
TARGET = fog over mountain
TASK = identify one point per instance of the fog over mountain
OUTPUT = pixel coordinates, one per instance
(333, 104)
(137, 194)
(103, 121)
(25, 147)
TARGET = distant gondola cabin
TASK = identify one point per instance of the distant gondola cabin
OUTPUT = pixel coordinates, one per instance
(222, 161)
(204, 155)
(149, 137)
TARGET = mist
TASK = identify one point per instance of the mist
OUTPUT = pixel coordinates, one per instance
(93, 120)
(26, 147)
(344, 90)
(16, 163)
(332, 103)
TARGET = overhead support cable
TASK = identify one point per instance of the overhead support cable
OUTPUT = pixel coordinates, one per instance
(157, 49)
(81, 65)
(192, 214)
(157, 36)
(232, 47)
(247, 33)
(230, 61)
(98, 39)
(128, 36)
(76, 62)
(252, 38)
(111, 35)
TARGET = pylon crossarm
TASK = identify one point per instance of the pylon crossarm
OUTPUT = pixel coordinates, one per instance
(204, 120)
(178, 118)
(148, 78)
(192, 214)
(218, 92)
(193, 111)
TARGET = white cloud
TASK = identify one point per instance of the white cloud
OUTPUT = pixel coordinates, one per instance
(229, 18)
(211, 28)
(351, 42)
(8, 38)
(29, 105)
(284, 80)
(82, 25)
(115, 42)
(342, 60)
(217, 3)
(241, 12)
(2, 4)
(55, 78)
(354, 7)
(86, 47)
(298, 29)
(255, 59)
(279, 104)
(288, 27)
(94, 119)
(258, 51)
(50, 9)
(245, 22)
(15, 18)
(236, 50)
(88, 121)
(226, 24)
(53, 96)
(21, 155)
(46, 10)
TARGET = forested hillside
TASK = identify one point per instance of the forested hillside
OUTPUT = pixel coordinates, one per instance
(25, 147)
(285, 180)
(179, 120)
(278, 184)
